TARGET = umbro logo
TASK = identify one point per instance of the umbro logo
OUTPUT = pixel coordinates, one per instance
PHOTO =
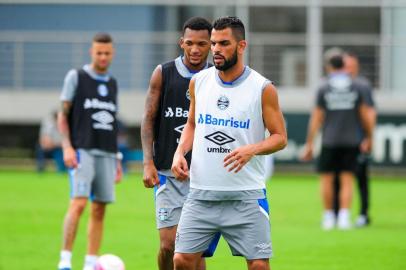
(264, 248)
(219, 138)
(180, 128)
(103, 120)
(103, 117)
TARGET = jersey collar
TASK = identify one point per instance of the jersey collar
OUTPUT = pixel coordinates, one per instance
(183, 70)
(240, 79)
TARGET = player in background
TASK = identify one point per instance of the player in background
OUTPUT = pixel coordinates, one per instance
(351, 66)
(88, 125)
(166, 112)
(49, 143)
(342, 113)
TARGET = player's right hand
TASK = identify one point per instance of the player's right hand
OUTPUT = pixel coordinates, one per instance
(69, 157)
(179, 167)
(150, 177)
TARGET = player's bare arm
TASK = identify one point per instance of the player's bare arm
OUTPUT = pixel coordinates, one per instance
(368, 121)
(274, 122)
(179, 165)
(119, 172)
(316, 120)
(69, 153)
(147, 127)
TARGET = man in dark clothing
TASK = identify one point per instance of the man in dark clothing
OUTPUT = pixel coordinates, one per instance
(351, 65)
(342, 113)
(166, 112)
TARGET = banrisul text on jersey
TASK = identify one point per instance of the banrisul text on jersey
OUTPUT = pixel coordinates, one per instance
(209, 119)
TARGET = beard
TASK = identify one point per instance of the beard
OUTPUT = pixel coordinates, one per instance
(228, 63)
(101, 68)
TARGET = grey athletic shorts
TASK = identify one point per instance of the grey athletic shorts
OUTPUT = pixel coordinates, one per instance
(170, 196)
(94, 177)
(243, 224)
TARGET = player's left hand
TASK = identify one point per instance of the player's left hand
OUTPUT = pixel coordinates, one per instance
(238, 158)
(119, 172)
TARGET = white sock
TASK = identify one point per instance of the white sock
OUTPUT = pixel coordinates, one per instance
(90, 262)
(65, 259)
(344, 219)
(329, 213)
(328, 220)
(344, 213)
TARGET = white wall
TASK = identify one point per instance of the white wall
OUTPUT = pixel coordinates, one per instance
(399, 50)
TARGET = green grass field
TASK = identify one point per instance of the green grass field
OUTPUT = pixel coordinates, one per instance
(32, 207)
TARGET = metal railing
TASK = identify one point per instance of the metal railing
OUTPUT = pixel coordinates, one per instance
(40, 60)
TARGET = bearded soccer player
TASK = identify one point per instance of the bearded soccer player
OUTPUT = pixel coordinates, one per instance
(231, 107)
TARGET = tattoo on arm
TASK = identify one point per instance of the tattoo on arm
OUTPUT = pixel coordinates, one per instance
(150, 114)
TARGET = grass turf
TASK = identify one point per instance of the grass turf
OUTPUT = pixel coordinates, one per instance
(32, 207)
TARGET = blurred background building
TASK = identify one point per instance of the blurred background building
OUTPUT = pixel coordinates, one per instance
(41, 40)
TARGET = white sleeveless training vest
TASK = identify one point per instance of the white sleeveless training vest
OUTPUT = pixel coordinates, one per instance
(227, 116)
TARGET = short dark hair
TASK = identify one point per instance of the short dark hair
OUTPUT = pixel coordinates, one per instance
(102, 38)
(334, 57)
(337, 62)
(232, 22)
(197, 23)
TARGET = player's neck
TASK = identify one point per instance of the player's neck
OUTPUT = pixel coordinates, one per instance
(232, 73)
(97, 70)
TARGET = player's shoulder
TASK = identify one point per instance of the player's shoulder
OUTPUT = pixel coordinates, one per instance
(255, 73)
(362, 82)
(113, 79)
(323, 84)
(168, 64)
(263, 81)
(72, 74)
(203, 73)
